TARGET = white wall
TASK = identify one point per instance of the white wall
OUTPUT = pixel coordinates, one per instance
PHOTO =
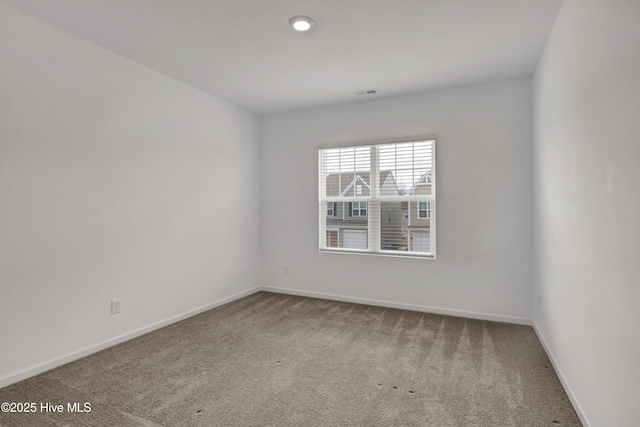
(115, 182)
(484, 201)
(587, 206)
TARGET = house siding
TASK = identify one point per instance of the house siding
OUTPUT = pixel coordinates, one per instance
(414, 220)
(392, 221)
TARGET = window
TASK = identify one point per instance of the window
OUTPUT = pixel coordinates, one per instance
(331, 209)
(359, 209)
(378, 198)
(424, 209)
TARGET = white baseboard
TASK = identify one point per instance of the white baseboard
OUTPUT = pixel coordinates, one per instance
(43, 367)
(561, 377)
(402, 306)
(46, 366)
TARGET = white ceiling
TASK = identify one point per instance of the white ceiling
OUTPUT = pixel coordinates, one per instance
(245, 52)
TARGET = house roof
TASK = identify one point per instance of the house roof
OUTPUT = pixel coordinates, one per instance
(341, 183)
(357, 178)
(425, 178)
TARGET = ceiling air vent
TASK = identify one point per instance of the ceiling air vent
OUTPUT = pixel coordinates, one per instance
(365, 92)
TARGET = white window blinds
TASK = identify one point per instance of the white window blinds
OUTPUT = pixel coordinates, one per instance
(383, 199)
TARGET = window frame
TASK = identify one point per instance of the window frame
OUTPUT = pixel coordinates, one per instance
(427, 210)
(359, 209)
(333, 209)
(374, 199)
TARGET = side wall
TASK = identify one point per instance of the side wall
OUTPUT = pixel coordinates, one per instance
(587, 206)
(115, 182)
(483, 265)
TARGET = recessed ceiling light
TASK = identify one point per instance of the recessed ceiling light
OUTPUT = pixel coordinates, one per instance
(301, 23)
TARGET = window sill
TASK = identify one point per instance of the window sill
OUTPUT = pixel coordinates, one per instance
(388, 254)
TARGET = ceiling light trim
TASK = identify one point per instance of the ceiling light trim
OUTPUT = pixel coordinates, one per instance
(301, 23)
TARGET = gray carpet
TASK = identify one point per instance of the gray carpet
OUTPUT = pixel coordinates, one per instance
(277, 360)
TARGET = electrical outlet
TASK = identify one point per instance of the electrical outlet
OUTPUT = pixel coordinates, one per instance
(285, 269)
(115, 306)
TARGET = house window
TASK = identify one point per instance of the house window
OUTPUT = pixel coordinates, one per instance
(359, 209)
(424, 209)
(377, 185)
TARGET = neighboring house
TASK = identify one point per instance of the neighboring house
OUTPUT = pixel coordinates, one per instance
(403, 225)
(347, 221)
(418, 216)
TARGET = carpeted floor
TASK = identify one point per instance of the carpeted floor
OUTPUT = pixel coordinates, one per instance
(277, 360)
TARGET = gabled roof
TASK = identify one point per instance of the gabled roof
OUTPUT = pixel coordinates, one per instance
(341, 183)
(350, 186)
(425, 178)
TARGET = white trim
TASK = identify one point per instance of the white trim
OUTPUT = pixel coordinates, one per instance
(322, 208)
(432, 206)
(561, 377)
(402, 306)
(374, 200)
(373, 221)
(46, 366)
(387, 253)
(340, 199)
(43, 367)
(350, 144)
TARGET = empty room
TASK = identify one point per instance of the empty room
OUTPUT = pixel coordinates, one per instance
(320, 213)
